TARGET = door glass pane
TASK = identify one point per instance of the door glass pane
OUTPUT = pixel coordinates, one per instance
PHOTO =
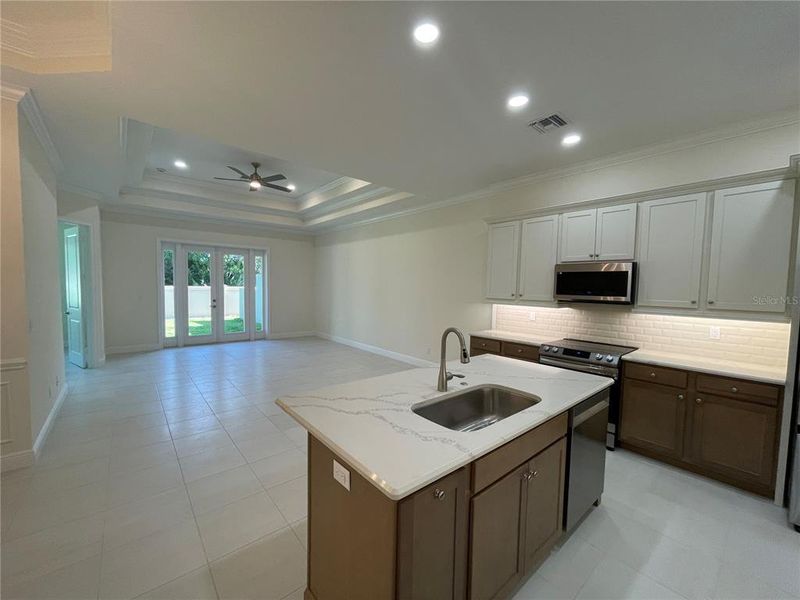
(199, 299)
(233, 278)
(259, 285)
(169, 293)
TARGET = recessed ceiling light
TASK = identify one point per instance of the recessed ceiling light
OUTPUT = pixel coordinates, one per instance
(518, 100)
(291, 187)
(181, 164)
(426, 33)
(571, 139)
(254, 185)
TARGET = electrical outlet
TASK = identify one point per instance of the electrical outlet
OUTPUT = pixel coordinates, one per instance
(341, 475)
(714, 333)
(532, 315)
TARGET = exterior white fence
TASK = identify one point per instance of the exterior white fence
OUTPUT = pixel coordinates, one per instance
(200, 302)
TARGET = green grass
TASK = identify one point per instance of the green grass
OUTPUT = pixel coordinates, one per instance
(199, 327)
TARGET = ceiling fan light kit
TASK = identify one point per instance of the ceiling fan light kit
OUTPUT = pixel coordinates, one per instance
(255, 180)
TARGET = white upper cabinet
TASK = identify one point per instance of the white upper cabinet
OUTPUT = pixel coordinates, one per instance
(501, 276)
(607, 233)
(671, 251)
(750, 245)
(538, 258)
(577, 235)
(616, 232)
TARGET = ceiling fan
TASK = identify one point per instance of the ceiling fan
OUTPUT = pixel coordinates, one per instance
(255, 180)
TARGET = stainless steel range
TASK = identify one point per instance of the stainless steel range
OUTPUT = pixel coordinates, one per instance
(591, 357)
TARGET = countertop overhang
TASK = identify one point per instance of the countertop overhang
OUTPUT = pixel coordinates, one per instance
(370, 424)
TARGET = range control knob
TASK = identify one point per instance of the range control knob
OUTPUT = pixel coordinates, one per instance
(546, 348)
(609, 358)
(554, 348)
(598, 356)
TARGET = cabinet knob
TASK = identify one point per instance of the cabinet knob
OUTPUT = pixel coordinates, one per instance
(711, 302)
(535, 474)
(680, 396)
(698, 400)
(734, 389)
(513, 295)
(694, 301)
(438, 494)
(519, 351)
(652, 373)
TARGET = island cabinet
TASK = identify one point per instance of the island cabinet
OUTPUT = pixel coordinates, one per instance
(475, 533)
(721, 427)
(479, 345)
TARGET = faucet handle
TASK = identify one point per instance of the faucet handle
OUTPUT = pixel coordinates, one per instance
(451, 375)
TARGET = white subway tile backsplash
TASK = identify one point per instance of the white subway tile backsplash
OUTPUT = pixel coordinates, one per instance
(757, 342)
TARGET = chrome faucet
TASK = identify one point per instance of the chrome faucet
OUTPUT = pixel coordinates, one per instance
(444, 374)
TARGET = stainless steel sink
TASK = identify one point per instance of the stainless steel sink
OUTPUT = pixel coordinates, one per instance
(475, 408)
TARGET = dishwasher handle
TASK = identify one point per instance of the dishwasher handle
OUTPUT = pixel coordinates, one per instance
(580, 418)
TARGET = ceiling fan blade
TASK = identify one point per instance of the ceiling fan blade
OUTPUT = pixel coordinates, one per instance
(242, 173)
(277, 177)
(227, 179)
(275, 187)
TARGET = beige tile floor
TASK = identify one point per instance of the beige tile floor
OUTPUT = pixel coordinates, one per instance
(173, 475)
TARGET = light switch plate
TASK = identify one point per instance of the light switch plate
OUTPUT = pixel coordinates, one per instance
(713, 333)
(341, 475)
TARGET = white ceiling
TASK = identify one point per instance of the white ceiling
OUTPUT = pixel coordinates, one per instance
(340, 85)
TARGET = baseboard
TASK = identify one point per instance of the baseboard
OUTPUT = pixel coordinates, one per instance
(16, 460)
(130, 349)
(51, 419)
(290, 334)
(406, 358)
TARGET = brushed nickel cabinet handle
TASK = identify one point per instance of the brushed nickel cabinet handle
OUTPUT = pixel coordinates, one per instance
(438, 494)
(680, 396)
(698, 400)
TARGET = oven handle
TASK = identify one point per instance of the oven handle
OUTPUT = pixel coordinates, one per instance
(593, 369)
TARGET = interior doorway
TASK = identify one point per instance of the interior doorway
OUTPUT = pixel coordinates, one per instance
(211, 294)
(76, 297)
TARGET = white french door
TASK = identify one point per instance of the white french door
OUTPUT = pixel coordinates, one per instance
(212, 294)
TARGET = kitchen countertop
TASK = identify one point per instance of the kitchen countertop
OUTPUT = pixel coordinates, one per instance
(370, 424)
(713, 366)
(727, 368)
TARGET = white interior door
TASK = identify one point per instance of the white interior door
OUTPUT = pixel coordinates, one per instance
(200, 320)
(76, 335)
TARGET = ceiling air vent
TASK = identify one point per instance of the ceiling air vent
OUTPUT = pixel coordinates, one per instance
(546, 124)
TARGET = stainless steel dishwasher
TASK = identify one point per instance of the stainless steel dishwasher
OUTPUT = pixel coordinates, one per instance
(586, 463)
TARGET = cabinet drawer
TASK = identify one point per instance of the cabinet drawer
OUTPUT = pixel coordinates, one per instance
(522, 351)
(661, 375)
(763, 393)
(493, 466)
(479, 346)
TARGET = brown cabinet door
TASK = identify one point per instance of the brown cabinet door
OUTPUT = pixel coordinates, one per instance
(433, 530)
(545, 502)
(735, 439)
(653, 417)
(495, 559)
(520, 351)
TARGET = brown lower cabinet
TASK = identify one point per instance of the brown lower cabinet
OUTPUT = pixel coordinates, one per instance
(720, 427)
(472, 534)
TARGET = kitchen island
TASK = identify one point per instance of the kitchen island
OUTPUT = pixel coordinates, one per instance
(401, 507)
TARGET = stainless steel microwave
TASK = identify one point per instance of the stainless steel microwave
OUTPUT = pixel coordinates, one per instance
(605, 282)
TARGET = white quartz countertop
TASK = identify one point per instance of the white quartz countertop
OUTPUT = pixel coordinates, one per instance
(508, 336)
(726, 368)
(740, 370)
(370, 424)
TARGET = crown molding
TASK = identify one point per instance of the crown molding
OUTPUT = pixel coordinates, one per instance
(81, 191)
(30, 108)
(12, 92)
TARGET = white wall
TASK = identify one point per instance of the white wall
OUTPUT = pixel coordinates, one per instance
(397, 284)
(130, 281)
(42, 278)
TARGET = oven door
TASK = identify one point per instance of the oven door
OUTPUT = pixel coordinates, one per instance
(606, 282)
